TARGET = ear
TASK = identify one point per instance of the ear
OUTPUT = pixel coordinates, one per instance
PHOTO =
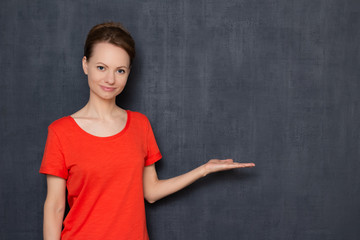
(85, 65)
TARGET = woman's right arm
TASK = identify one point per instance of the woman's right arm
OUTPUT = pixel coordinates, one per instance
(54, 207)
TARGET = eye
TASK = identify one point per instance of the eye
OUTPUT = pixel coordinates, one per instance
(122, 71)
(100, 68)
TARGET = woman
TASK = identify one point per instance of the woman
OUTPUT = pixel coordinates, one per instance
(105, 156)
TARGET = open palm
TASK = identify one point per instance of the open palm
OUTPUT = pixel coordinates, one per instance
(217, 165)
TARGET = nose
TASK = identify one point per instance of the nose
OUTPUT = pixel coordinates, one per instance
(110, 78)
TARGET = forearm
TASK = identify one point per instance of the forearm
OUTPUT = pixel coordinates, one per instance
(155, 189)
(163, 188)
(53, 218)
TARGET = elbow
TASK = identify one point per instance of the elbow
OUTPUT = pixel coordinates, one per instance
(151, 193)
(150, 199)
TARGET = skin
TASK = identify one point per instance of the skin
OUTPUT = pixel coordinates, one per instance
(109, 66)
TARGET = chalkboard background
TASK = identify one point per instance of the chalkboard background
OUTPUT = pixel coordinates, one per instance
(270, 82)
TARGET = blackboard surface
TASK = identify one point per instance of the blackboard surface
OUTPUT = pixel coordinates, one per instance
(270, 82)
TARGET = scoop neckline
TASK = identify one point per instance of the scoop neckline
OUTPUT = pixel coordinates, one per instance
(106, 137)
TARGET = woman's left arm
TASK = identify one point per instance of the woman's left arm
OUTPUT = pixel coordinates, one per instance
(155, 189)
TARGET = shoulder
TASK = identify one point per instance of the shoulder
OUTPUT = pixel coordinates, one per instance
(140, 120)
(137, 116)
(60, 124)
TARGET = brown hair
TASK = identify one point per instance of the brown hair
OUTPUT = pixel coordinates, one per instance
(113, 33)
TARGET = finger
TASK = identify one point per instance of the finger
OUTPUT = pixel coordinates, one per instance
(248, 164)
(244, 165)
(221, 160)
(215, 160)
(227, 161)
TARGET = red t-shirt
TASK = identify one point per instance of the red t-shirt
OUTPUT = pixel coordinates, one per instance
(104, 177)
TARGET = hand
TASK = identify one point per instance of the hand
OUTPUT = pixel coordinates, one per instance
(217, 165)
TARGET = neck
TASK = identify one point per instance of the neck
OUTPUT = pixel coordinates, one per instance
(101, 108)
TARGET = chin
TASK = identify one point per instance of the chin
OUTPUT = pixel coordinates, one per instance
(110, 96)
(107, 96)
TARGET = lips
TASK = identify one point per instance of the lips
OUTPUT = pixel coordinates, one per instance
(107, 89)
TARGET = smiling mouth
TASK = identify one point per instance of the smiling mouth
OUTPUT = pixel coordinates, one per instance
(108, 89)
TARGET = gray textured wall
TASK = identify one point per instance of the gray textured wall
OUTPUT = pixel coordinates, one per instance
(273, 82)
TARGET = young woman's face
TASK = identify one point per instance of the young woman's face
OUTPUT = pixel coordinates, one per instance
(108, 69)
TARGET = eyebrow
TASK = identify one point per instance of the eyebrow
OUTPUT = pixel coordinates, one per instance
(107, 65)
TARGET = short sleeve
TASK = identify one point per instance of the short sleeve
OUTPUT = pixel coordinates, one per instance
(53, 161)
(153, 152)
